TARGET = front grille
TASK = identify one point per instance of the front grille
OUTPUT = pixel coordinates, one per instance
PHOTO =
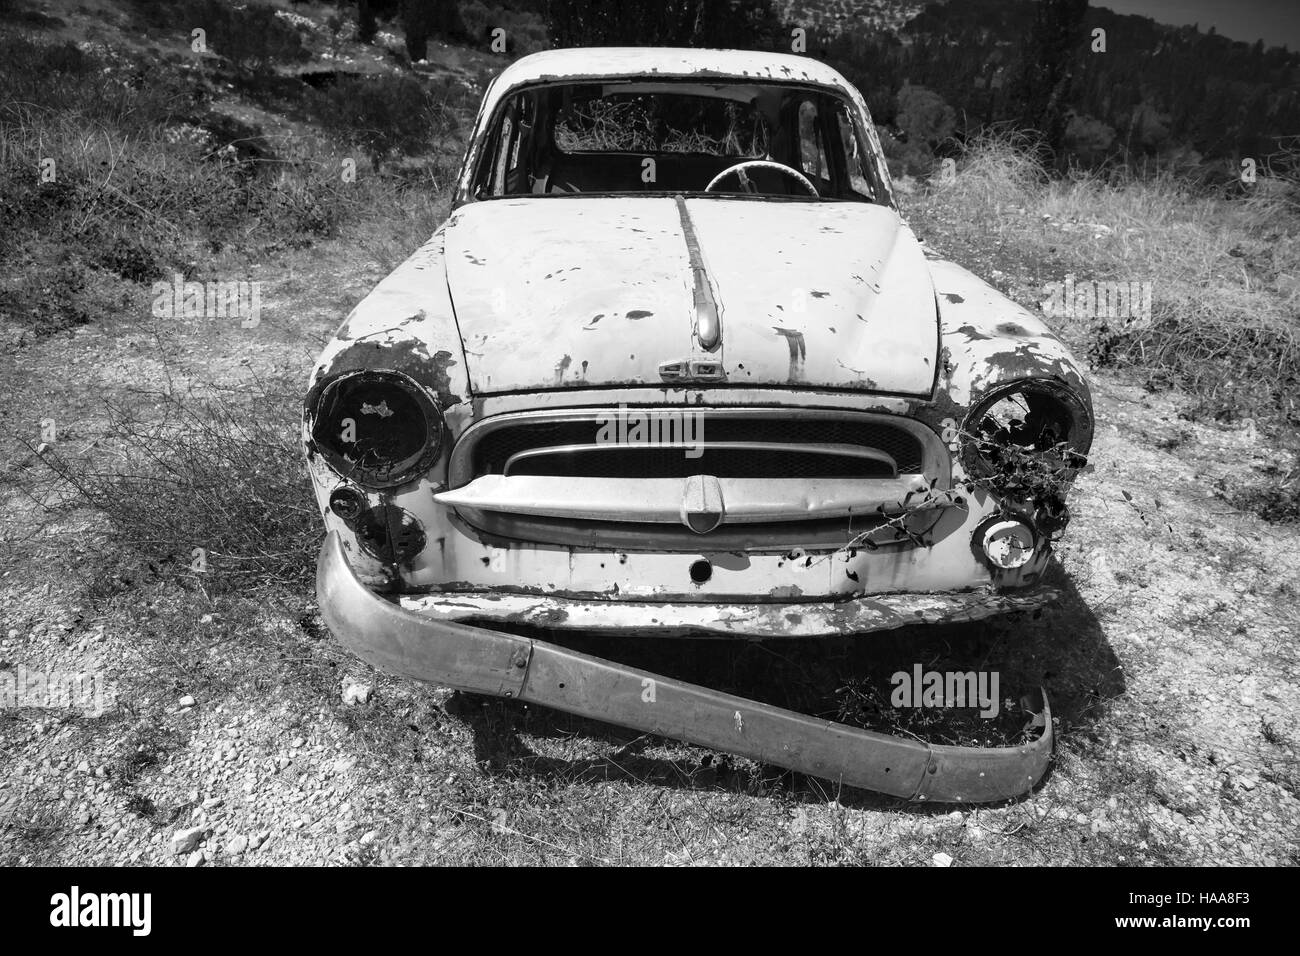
(777, 445)
(795, 444)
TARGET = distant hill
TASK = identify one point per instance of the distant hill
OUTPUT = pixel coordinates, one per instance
(1168, 93)
(834, 16)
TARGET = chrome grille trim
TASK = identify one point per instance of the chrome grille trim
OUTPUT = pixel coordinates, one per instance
(856, 453)
(936, 462)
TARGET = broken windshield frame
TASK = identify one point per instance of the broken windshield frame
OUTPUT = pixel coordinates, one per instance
(516, 156)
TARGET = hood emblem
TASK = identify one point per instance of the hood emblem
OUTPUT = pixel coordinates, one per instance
(702, 505)
(692, 370)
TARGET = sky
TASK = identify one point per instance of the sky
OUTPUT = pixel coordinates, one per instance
(1274, 21)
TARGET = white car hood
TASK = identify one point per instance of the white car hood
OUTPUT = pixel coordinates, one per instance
(585, 292)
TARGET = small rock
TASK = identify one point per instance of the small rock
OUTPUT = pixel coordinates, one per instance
(195, 858)
(237, 846)
(186, 701)
(297, 742)
(83, 767)
(212, 802)
(183, 841)
(941, 859)
(261, 838)
(368, 837)
(354, 694)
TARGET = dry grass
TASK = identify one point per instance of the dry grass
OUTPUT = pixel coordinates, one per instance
(1224, 267)
(210, 482)
(150, 179)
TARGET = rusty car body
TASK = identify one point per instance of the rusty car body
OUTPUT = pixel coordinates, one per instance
(701, 247)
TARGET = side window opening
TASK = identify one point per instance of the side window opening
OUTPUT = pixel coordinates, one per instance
(812, 150)
(854, 161)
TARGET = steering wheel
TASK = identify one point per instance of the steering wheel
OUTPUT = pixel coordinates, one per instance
(747, 186)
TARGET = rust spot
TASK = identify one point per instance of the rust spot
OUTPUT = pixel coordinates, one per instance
(638, 314)
(407, 356)
(953, 297)
(972, 333)
(389, 533)
(561, 367)
(798, 350)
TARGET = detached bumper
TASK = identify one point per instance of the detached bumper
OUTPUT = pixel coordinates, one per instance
(483, 661)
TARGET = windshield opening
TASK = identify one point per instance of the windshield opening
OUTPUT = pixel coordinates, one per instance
(634, 137)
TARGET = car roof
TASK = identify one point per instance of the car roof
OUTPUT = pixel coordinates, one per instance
(675, 62)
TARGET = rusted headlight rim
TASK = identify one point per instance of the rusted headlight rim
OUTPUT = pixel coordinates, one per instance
(434, 439)
(1007, 515)
(1078, 438)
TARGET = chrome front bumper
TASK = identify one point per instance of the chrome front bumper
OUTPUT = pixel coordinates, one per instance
(745, 621)
(445, 651)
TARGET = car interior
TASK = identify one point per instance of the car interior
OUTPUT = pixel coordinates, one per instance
(677, 137)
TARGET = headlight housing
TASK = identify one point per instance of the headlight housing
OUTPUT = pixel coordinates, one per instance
(1029, 416)
(377, 429)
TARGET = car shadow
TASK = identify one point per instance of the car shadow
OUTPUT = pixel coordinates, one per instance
(1061, 648)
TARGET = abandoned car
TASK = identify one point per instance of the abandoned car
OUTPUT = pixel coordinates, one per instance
(676, 365)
